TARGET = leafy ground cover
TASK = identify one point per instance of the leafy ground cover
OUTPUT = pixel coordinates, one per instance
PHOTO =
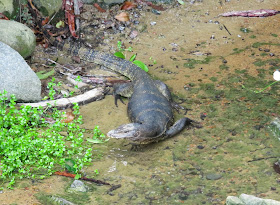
(36, 142)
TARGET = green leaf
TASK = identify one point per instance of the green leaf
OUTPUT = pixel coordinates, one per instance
(119, 55)
(44, 75)
(181, 2)
(78, 176)
(141, 65)
(132, 58)
(59, 24)
(119, 45)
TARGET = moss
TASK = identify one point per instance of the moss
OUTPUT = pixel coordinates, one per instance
(259, 63)
(259, 44)
(263, 54)
(213, 79)
(223, 67)
(193, 62)
(239, 50)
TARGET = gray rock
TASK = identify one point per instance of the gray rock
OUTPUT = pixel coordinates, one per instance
(16, 77)
(251, 200)
(61, 201)
(245, 199)
(233, 200)
(213, 176)
(6, 6)
(48, 7)
(271, 202)
(18, 36)
(275, 127)
(78, 186)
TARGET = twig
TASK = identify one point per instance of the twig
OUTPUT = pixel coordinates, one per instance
(226, 29)
(67, 174)
(262, 158)
(65, 68)
(52, 17)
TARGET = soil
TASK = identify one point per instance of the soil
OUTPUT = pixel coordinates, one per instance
(215, 63)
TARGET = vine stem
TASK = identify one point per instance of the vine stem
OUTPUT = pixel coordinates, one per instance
(259, 91)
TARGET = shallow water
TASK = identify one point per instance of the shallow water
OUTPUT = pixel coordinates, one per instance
(235, 142)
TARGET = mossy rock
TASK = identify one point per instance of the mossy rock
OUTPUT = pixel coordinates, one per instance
(18, 36)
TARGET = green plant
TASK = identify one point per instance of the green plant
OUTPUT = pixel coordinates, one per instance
(52, 89)
(52, 86)
(97, 137)
(120, 54)
(32, 147)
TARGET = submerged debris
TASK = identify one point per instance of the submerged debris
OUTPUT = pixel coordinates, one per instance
(251, 13)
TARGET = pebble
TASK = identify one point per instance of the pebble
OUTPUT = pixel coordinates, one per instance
(200, 147)
(133, 34)
(213, 176)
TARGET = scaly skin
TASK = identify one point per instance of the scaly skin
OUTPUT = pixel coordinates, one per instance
(149, 107)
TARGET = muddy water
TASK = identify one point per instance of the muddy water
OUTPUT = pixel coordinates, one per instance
(230, 146)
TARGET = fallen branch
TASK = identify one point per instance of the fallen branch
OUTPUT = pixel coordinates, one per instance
(67, 174)
(87, 97)
(251, 13)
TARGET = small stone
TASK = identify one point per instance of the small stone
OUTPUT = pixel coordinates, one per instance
(60, 200)
(121, 28)
(133, 34)
(156, 12)
(78, 186)
(213, 176)
(136, 22)
(200, 147)
(153, 23)
(183, 195)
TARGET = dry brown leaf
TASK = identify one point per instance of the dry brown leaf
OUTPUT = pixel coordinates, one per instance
(96, 5)
(69, 117)
(122, 17)
(128, 5)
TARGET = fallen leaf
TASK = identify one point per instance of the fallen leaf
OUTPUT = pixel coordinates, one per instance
(45, 21)
(128, 5)
(3, 17)
(156, 7)
(59, 24)
(69, 117)
(96, 5)
(122, 17)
